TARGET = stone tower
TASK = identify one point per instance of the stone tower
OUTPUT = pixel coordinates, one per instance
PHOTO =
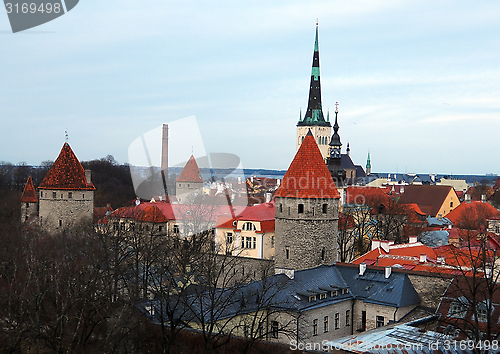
(314, 119)
(66, 193)
(307, 204)
(189, 184)
(29, 201)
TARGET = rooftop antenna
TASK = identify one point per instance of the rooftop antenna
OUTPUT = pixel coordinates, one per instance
(66, 138)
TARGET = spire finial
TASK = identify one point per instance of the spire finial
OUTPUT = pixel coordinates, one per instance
(337, 107)
(66, 138)
(317, 20)
(328, 115)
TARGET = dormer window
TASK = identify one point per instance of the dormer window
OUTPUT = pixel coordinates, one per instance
(248, 226)
(312, 298)
(322, 296)
(70, 195)
(334, 293)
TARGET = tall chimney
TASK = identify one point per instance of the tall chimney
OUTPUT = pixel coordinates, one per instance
(88, 176)
(164, 154)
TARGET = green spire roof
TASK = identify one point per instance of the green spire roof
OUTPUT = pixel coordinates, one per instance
(368, 161)
(314, 114)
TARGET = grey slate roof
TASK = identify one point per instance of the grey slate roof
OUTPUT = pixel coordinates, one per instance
(434, 238)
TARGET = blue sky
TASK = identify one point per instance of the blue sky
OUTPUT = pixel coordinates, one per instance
(418, 82)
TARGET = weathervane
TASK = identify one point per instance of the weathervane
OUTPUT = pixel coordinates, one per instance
(337, 107)
(66, 135)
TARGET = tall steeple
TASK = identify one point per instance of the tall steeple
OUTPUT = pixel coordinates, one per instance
(314, 114)
(368, 164)
(335, 159)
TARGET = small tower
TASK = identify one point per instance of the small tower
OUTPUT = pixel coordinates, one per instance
(66, 193)
(368, 165)
(29, 201)
(189, 184)
(334, 161)
(348, 150)
(306, 212)
(314, 119)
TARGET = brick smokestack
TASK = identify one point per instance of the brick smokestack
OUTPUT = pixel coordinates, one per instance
(164, 154)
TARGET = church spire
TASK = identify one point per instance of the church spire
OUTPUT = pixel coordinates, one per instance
(314, 114)
(368, 164)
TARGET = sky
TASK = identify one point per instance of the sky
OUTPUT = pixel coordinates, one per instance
(418, 83)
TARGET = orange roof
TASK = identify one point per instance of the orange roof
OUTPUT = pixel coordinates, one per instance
(263, 213)
(152, 214)
(190, 172)
(371, 196)
(308, 176)
(66, 173)
(473, 213)
(29, 193)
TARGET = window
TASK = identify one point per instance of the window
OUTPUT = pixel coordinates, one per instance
(287, 253)
(176, 229)
(62, 196)
(315, 327)
(274, 329)
(451, 204)
(70, 195)
(323, 252)
(54, 195)
(160, 228)
(497, 229)
(348, 318)
(60, 223)
(380, 321)
(229, 238)
(248, 226)
(254, 242)
(337, 320)
(334, 293)
(288, 210)
(325, 324)
(322, 296)
(115, 226)
(458, 307)
(83, 196)
(312, 298)
(249, 242)
(122, 226)
(132, 226)
(345, 291)
(301, 208)
(281, 208)
(41, 194)
(482, 312)
(325, 208)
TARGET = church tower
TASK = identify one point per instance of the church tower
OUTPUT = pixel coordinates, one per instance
(66, 193)
(334, 160)
(368, 165)
(314, 119)
(306, 214)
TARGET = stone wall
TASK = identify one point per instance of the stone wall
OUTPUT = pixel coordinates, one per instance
(59, 209)
(308, 239)
(430, 288)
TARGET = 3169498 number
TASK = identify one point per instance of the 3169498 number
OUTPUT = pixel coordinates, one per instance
(33, 8)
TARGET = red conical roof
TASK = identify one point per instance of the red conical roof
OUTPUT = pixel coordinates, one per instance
(308, 176)
(29, 193)
(66, 173)
(190, 172)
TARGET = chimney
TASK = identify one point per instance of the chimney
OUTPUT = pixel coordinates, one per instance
(88, 176)
(483, 198)
(164, 153)
(467, 197)
(413, 239)
(423, 258)
(278, 182)
(385, 245)
(487, 272)
(362, 268)
(440, 216)
(441, 260)
(375, 244)
(268, 197)
(388, 271)
(402, 189)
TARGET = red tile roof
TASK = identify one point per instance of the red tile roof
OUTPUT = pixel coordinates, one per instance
(429, 198)
(371, 196)
(29, 193)
(66, 173)
(263, 213)
(308, 176)
(473, 213)
(152, 213)
(190, 172)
